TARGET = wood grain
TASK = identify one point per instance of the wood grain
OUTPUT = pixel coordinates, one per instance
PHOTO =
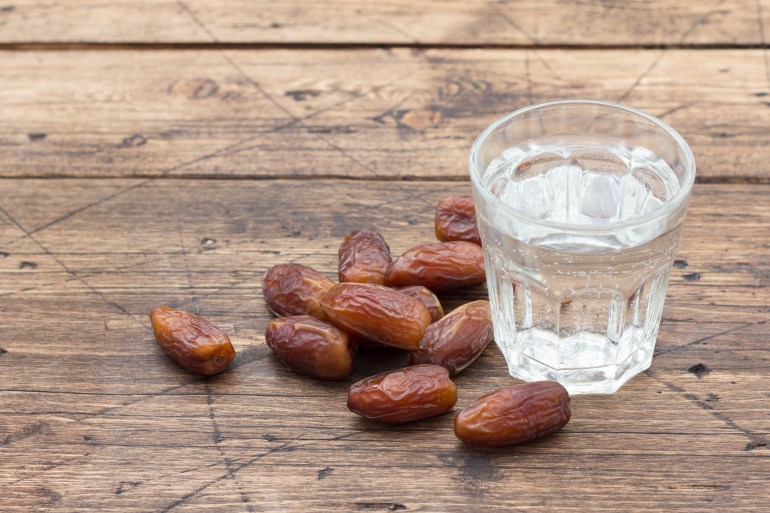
(472, 22)
(169, 152)
(279, 113)
(94, 417)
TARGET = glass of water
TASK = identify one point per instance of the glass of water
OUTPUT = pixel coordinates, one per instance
(580, 206)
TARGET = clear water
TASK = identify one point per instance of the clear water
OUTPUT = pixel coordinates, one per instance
(583, 310)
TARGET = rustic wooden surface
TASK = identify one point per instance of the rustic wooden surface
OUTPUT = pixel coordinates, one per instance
(466, 23)
(411, 115)
(140, 174)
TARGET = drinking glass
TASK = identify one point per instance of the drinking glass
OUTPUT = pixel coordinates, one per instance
(580, 206)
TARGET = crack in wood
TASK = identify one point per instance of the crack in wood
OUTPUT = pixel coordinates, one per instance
(704, 19)
(197, 21)
(195, 305)
(185, 498)
(213, 416)
(394, 28)
(24, 433)
(85, 275)
(232, 149)
(515, 26)
(33, 431)
(657, 60)
(72, 273)
(709, 337)
(528, 74)
(218, 439)
(237, 468)
(670, 111)
(137, 185)
(47, 468)
(641, 77)
(294, 121)
(298, 120)
(761, 21)
(545, 64)
(172, 474)
(755, 438)
(72, 213)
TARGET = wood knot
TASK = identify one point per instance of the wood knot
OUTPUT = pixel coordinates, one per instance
(133, 141)
(420, 119)
(300, 95)
(699, 370)
(196, 88)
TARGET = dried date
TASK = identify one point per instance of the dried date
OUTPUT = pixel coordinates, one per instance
(456, 340)
(440, 266)
(514, 415)
(192, 341)
(310, 346)
(294, 289)
(427, 298)
(364, 257)
(404, 395)
(456, 220)
(377, 313)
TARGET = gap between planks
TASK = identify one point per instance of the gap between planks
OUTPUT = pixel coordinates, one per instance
(32, 46)
(708, 180)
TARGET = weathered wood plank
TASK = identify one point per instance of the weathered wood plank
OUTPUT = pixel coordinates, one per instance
(473, 22)
(227, 250)
(278, 113)
(94, 417)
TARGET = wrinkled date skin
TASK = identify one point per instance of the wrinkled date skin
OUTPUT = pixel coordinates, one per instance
(427, 298)
(514, 415)
(310, 346)
(364, 257)
(377, 313)
(456, 220)
(440, 266)
(192, 341)
(294, 289)
(456, 340)
(404, 395)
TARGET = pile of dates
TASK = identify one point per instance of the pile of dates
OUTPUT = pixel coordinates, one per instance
(381, 302)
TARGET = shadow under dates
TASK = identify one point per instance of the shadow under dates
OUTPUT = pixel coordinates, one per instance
(297, 383)
(369, 361)
(478, 468)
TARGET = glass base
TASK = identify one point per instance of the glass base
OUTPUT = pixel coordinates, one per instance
(587, 380)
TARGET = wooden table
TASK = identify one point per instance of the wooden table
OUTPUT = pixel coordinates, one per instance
(170, 152)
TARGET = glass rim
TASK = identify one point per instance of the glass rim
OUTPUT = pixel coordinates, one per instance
(665, 209)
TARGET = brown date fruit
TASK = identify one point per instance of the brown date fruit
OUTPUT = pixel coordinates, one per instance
(440, 266)
(404, 395)
(456, 220)
(514, 415)
(377, 313)
(456, 340)
(364, 257)
(427, 298)
(310, 346)
(294, 289)
(192, 341)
